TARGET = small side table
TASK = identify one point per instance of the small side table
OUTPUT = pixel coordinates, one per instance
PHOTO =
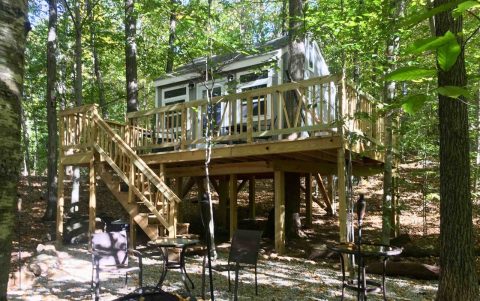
(176, 243)
(365, 250)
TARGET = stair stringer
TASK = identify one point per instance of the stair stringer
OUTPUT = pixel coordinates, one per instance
(131, 208)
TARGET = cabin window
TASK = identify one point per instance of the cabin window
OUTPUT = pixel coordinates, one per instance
(251, 80)
(250, 77)
(174, 96)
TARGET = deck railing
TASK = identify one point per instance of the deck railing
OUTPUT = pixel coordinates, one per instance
(298, 109)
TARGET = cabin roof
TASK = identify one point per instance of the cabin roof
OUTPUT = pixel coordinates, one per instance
(198, 64)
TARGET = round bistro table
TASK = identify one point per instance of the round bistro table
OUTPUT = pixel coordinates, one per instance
(174, 243)
(364, 250)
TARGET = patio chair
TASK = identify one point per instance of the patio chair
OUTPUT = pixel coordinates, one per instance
(110, 253)
(244, 251)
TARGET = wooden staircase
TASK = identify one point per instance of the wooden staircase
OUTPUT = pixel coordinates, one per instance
(150, 203)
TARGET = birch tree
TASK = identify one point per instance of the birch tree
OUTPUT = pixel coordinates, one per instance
(14, 27)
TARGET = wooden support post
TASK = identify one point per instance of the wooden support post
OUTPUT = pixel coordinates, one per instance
(279, 179)
(308, 200)
(330, 192)
(133, 232)
(60, 202)
(342, 200)
(92, 201)
(251, 197)
(233, 204)
(178, 192)
(222, 201)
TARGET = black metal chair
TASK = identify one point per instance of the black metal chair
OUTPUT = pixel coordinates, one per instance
(244, 251)
(110, 253)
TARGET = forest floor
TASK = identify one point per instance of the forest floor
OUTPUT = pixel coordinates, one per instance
(298, 275)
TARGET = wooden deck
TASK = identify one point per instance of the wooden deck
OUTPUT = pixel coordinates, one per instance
(310, 127)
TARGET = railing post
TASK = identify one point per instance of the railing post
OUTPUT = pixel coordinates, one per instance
(250, 118)
(183, 141)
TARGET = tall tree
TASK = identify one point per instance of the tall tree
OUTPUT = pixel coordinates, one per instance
(131, 55)
(171, 37)
(51, 103)
(14, 25)
(296, 70)
(458, 279)
(77, 19)
(393, 10)
(96, 60)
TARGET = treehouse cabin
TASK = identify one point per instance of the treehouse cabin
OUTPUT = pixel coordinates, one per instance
(237, 73)
(264, 127)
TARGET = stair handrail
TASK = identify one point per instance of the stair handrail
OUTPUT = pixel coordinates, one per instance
(140, 165)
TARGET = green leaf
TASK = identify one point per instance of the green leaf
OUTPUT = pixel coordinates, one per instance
(410, 73)
(414, 103)
(431, 43)
(453, 91)
(447, 54)
(420, 16)
(463, 7)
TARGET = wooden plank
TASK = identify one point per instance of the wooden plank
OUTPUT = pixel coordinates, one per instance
(279, 186)
(60, 203)
(253, 167)
(76, 110)
(240, 150)
(324, 193)
(303, 166)
(241, 185)
(233, 204)
(187, 187)
(308, 200)
(83, 158)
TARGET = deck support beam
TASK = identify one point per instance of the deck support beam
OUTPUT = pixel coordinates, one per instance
(233, 204)
(279, 186)
(251, 197)
(342, 200)
(222, 201)
(179, 193)
(308, 200)
(60, 203)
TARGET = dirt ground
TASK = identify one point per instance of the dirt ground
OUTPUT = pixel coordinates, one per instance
(417, 196)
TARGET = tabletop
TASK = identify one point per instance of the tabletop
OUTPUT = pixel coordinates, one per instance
(174, 242)
(365, 249)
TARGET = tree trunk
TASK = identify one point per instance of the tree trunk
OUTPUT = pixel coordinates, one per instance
(171, 38)
(51, 103)
(476, 173)
(78, 22)
(131, 56)
(458, 279)
(394, 10)
(78, 55)
(96, 61)
(296, 67)
(14, 25)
